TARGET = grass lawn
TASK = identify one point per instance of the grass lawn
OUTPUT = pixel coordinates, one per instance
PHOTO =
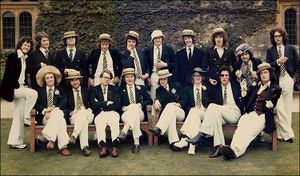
(258, 160)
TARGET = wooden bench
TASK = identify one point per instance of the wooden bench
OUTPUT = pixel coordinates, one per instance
(36, 130)
(231, 127)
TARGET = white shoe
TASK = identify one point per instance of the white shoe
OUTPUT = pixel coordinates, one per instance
(191, 149)
(27, 121)
(182, 143)
(41, 138)
(18, 146)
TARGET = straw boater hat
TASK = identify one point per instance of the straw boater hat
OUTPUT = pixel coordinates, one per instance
(188, 32)
(200, 70)
(43, 71)
(164, 74)
(219, 30)
(73, 74)
(264, 66)
(133, 34)
(70, 34)
(104, 36)
(156, 33)
(242, 48)
(127, 71)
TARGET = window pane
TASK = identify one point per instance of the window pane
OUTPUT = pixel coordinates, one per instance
(25, 24)
(290, 25)
(8, 30)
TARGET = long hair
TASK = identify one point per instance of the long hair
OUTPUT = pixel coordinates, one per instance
(23, 40)
(225, 38)
(39, 37)
(250, 55)
(282, 32)
(273, 77)
(132, 38)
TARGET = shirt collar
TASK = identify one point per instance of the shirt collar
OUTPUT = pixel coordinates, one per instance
(68, 49)
(227, 86)
(21, 54)
(47, 87)
(79, 88)
(133, 86)
(220, 48)
(195, 87)
(43, 50)
(160, 46)
(192, 47)
(266, 85)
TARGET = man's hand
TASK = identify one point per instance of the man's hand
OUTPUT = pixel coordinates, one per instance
(91, 82)
(238, 74)
(115, 80)
(149, 82)
(145, 76)
(282, 60)
(43, 64)
(124, 108)
(47, 115)
(213, 82)
(160, 64)
(109, 102)
(157, 105)
(269, 104)
(253, 74)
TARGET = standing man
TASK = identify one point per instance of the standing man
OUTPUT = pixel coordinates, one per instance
(284, 58)
(135, 58)
(159, 56)
(106, 103)
(71, 57)
(40, 57)
(104, 58)
(188, 58)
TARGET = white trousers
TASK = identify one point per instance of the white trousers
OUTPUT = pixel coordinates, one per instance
(154, 83)
(249, 126)
(132, 117)
(284, 108)
(111, 119)
(167, 121)
(192, 123)
(56, 128)
(24, 100)
(215, 117)
(81, 121)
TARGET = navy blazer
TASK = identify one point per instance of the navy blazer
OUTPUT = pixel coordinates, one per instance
(128, 61)
(215, 62)
(42, 102)
(206, 96)
(236, 91)
(183, 68)
(93, 60)
(34, 64)
(167, 56)
(237, 65)
(291, 65)
(62, 62)
(274, 92)
(175, 94)
(97, 100)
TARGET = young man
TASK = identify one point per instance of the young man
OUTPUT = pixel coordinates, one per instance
(159, 56)
(13, 89)
(104, 58)
(135, 58)
(246, 66)
(40, 57)
(49, 107)
(134, 99)
(106, 103)
(71, 57)
(78, 110)
(170, 100)
(188, 58)
(284, 58)
(261, 100)
(227, 108)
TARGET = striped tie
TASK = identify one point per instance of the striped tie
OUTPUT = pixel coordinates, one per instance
(131, 98)
(79, 102)
(190, 54)
(104, 61)
(46, 53)
(158, 57)
(282, 67)
(198, 98)
(71, 55)
(50, 98)
(225, 96)
(137, 64)
(248, 75)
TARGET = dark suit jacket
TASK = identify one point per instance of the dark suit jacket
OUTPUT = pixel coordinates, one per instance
(34, 64)
(291, 65)
(42, 102)
(183, 68)
(167, 56)
(215, 62)
(274, 92)
(206, 96)
(10, 78)
(141, 96)
(236, 90)
(237, 65)
(93, 60)
(97, 100)
(62, 62)
(175, 94)
(128, 61)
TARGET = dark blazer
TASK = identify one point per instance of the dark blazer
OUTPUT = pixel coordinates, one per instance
(128, 61)
(183, 68)
(206, 96)
(236, 90)
(175, 94)
(93, 60)
(215, 62)
(42, 102)
(10, 78)
(167, 56)
(62, 62)
(291, 65)
(97, 100)
(237, 65)
(274, 92)
(34, 64)
(141, 96)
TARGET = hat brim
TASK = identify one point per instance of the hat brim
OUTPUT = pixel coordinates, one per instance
(68, 36)
(127, 73)
(271, 69)
(43, 71)
(100, 39)
(165, 76)
(162, 36)
(73, 77)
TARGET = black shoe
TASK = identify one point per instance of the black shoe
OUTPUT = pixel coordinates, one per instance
(198, 139)
(175, 148)
(217, 152)
(156, 131)
(122, 136)
(280, 139)
(289, 140)
(135, 149)
(228, 153)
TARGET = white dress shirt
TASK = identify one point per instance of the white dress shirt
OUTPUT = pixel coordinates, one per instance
(75, 96)
(263, 87)
(188, 50)
(22, 57)
(195, 92)
(73, 52)
(43, 50)
(282, 49)
(230, 98)
(100, 64)
(106, 90)
(155, 54)
(220, 51)
(133, 91)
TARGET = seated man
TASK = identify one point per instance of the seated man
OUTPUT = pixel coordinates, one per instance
(261, 100)
(198, 97)
(170, 100)
(106, 103)
(49, 113)
(227, 108)
(77, 108)
(134, 99)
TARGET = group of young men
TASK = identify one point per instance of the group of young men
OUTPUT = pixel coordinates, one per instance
(205, 89)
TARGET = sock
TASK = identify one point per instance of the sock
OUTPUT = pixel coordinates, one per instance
(136, 141)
